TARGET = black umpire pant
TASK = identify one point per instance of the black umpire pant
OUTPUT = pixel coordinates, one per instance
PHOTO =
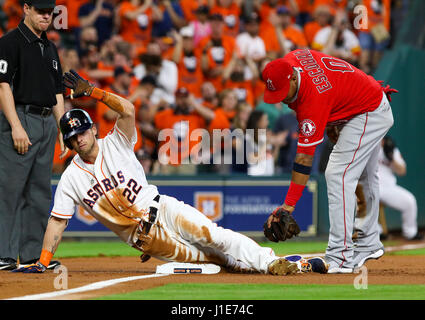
(25, 186)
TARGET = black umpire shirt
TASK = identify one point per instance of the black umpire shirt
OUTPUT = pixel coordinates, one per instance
(31, 66)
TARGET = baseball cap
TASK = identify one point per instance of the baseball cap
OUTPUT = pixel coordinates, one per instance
(187, 32)
(277, 75)
(42, 4)
(251, 17)
(283, 10)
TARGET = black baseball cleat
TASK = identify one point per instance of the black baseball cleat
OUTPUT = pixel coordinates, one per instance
(8, 264)
(53, 264)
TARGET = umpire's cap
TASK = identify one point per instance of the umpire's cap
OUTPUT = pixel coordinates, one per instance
(73, 122)
(41, 4)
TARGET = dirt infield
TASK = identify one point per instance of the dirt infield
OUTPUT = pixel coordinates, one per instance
(83, 271)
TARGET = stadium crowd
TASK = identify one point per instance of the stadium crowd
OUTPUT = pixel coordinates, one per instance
(194, 64)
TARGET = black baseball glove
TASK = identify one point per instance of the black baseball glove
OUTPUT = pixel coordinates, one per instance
(388, 147)
(282, 226)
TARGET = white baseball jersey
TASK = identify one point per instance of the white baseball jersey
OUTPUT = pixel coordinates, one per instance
(114, 189)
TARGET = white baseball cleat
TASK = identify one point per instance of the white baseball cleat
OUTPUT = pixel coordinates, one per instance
(337, 270)
(374, 255)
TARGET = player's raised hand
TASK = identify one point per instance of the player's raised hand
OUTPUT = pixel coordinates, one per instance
(37, 267)
(79, 86)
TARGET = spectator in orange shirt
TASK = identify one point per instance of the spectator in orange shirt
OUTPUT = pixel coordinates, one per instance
(13, 10)
(375, 37)
(284, 36)
(209, 97)
(334, 5)
(136, 20)
(177, 150)
(217, 51)
(321, 18)
(188, 60)
(226, 111)
(190, 6)
(230, 10)
(268, 8)
(73, 6)
(234, 77)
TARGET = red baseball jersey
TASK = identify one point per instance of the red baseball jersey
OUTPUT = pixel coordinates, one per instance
(331, 91)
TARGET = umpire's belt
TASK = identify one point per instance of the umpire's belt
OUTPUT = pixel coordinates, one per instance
(33, 109)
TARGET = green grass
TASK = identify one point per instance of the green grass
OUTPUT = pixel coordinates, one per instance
(95, 249)
(206, 291)
(414, 252)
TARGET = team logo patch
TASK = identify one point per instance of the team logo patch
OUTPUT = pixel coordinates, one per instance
(270, 85)
(74, 122)
(307, 128)
(55, 65)
(210, 204)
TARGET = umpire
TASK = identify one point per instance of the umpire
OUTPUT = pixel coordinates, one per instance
(31, 103)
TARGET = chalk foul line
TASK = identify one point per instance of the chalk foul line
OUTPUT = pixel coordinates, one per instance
(89, 287)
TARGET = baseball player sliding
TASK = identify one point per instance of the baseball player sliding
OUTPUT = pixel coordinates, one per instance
(107, 180)
(326, 91)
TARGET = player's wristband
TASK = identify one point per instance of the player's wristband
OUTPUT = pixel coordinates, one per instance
(109, 99)
(45, 257)
(98, 94)
(294, 194)
(301, 168)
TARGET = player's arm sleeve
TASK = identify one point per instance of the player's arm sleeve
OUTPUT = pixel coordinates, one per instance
(64, 204)
(8, 64)
(311, 132)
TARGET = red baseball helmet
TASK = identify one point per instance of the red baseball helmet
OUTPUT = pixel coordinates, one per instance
(277, 76)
